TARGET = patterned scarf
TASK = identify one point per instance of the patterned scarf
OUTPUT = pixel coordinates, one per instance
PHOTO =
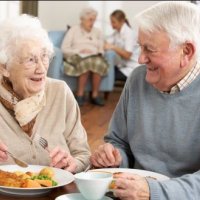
(24, 111)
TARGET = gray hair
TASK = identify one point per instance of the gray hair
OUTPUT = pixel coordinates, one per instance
(87, 12)
(14, 30)
(180, 20)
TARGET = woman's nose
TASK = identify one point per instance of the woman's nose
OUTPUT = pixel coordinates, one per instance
(40, 68)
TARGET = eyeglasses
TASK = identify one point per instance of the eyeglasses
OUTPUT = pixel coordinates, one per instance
(33, 60)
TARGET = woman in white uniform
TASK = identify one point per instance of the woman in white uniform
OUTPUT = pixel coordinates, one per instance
(124, 44)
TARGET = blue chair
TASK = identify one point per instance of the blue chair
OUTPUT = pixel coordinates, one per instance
(56, 68)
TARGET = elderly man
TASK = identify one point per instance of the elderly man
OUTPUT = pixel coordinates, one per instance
(156, 123)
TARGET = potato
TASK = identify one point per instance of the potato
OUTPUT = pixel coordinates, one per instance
(47, 171)
(44, 183)
(31, 184)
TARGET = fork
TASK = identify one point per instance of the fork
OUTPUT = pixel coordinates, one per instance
(43, 142)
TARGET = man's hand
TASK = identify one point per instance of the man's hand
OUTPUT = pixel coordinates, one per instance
(131, 187)
(106, 156)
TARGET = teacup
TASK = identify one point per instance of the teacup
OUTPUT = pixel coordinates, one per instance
(93, 185)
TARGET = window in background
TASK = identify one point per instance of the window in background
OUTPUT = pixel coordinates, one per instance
(9, 9)
(105, 8)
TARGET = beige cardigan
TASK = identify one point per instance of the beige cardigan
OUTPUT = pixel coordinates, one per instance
(59, 122)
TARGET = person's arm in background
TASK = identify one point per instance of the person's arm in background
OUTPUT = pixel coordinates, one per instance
(67, 42)
(125, 53)
(100, 42)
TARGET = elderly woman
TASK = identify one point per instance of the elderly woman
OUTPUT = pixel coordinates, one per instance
(83, 49)
(34, 106)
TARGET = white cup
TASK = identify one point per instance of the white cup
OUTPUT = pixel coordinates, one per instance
(93, 185)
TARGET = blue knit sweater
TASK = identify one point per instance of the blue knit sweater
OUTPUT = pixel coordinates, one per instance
(161, 133)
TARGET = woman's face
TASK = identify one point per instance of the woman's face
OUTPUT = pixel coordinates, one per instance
(27, 69)
(88, 22)
(116, 24)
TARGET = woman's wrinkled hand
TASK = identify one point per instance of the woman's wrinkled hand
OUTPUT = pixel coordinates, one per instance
(63, 159)
(106, 156)
(3, 154)
(131, 187)
(86, 51)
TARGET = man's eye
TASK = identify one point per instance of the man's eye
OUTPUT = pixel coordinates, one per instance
(150, 50)
(31, 59)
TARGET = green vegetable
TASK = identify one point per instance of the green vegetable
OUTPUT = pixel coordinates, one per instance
(44, 177)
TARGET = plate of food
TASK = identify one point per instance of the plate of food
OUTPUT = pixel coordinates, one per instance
(35, 180)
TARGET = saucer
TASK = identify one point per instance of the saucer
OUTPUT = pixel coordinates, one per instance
(76, 196)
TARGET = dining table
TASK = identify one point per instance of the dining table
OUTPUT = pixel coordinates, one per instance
(67, 189)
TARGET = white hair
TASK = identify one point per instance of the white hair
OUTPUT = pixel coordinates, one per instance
(14, 30)
(180, 20)
(87, 12)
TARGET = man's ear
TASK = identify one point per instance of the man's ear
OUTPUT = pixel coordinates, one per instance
(4, 71)
(187, 54)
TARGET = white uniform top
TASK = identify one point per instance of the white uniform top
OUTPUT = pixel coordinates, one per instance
(127, 40)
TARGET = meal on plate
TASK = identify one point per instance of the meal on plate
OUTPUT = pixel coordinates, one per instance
(19, 179)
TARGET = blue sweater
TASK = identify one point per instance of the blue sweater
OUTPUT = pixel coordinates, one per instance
(161, 133)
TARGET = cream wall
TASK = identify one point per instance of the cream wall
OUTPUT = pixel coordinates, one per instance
(55, 15)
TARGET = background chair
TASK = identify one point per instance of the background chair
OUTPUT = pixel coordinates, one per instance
(56, 68)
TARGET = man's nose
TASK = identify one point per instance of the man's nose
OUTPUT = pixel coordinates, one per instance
(143, 58)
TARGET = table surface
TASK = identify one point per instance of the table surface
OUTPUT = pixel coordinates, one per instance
(70, 188)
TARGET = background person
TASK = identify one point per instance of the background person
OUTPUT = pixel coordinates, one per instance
(34, 106)
(83, 53)
(155, 125)
(124, 43)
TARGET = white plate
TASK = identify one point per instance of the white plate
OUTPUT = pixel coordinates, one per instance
(143, 173)
(76, 196)
(62, 177)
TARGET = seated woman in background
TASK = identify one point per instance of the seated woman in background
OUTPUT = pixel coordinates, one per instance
(83, 48)
(34, 106)
(124, 43)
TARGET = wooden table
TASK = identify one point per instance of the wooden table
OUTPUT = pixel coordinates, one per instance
(70, 188)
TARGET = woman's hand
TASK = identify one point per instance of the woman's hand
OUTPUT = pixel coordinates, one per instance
(131, 187)
(3, 154)
(106, 156)
(86, 51)
(62, 159)
(108, 46)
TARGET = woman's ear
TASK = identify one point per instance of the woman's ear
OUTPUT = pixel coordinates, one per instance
(4, 71)
(187, 54)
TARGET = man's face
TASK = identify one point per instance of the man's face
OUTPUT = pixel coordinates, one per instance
(162, 61)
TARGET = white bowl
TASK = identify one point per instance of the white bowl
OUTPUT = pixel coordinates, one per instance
(93, 185)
